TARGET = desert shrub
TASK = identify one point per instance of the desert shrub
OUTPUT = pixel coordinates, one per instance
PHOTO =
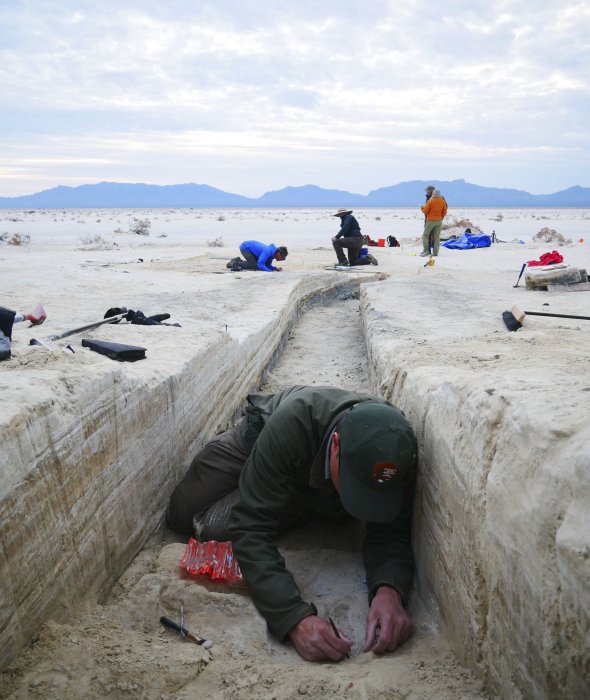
(14, 238)
(550, 235)
(141, 227)
(452, 222)
(221, 218)
(90, 240)
(216, 242)
(97, 242)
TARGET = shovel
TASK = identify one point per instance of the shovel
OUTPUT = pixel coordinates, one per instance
(81, 329)
(519, 276)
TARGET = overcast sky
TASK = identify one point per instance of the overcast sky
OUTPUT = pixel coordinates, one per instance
(254, 95)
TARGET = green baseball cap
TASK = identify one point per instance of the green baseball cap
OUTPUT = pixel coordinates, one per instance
(377, 461)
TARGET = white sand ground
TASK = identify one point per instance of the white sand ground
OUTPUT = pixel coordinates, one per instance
(501, 532)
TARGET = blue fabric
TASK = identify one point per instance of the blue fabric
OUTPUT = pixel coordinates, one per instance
(363, 252)
(264, 253)
(469, 240)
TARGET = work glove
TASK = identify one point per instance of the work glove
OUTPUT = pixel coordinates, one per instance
(140, 319)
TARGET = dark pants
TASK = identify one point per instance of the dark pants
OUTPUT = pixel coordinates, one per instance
(353, 244)
(201, 503)
(213, 474)
(251, 260)
(6, 321)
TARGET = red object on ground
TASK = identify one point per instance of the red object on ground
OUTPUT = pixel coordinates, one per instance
(37, 316)
(547, 259)
(213, 559)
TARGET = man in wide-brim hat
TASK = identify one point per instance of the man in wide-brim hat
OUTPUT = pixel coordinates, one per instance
(351, 238)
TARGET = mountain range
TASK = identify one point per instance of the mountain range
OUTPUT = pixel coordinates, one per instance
(405, 194)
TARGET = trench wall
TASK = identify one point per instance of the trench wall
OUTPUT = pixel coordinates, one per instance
(86, 473)
(502, 526)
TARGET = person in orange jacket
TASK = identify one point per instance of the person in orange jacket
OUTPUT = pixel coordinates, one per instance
(435, 211)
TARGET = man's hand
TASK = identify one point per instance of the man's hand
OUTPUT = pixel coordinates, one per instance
(315, 641)
(388, 623)
(278, 269)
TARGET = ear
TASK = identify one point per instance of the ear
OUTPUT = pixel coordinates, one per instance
(335, 461)
(335, 441)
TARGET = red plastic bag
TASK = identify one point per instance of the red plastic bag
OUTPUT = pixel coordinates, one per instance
(213, 559)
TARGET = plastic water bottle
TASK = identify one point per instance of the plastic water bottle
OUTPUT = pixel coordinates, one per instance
(213, 559)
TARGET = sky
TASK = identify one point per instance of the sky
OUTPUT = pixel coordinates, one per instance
(251, 96)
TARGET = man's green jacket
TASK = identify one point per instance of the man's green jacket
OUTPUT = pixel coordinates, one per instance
(289, 432)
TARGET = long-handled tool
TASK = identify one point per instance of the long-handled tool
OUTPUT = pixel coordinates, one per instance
(519, 276)
(81, 329)
(513, 319)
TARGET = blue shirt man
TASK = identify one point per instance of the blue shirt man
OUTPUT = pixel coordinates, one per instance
(259, 256)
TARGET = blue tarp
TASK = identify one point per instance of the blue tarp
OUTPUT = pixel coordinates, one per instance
(469, 240)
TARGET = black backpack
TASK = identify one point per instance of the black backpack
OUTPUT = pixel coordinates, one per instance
(392, 242)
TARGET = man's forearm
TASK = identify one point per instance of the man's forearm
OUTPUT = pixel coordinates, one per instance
(388, 557)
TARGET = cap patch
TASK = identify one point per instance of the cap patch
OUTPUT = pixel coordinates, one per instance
(383, 473)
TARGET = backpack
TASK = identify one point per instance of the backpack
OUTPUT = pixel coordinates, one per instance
(392, 242)
(235, 264)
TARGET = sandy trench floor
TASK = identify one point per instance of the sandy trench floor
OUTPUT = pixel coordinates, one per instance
(118, 649)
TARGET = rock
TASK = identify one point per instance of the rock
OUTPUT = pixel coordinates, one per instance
(540, 278)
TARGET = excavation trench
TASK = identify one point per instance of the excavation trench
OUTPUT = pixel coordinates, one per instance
(90, 456)
(116, 648)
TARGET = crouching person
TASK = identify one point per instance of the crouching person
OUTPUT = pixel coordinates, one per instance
(308, 451)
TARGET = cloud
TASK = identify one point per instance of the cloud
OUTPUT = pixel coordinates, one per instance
(259, 82)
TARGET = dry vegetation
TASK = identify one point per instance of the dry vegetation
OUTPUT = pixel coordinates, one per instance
(97, 242)
(550, 235)
(140, 227)
(14, 238)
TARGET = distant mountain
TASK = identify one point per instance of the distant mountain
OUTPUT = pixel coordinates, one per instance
(464, 194)
(458, 193)
(120, 195)
(310, 196)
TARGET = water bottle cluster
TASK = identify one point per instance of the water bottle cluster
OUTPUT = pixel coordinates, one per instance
(213, 559)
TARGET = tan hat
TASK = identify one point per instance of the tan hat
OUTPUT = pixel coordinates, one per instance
(342, 212)
(430, 188)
